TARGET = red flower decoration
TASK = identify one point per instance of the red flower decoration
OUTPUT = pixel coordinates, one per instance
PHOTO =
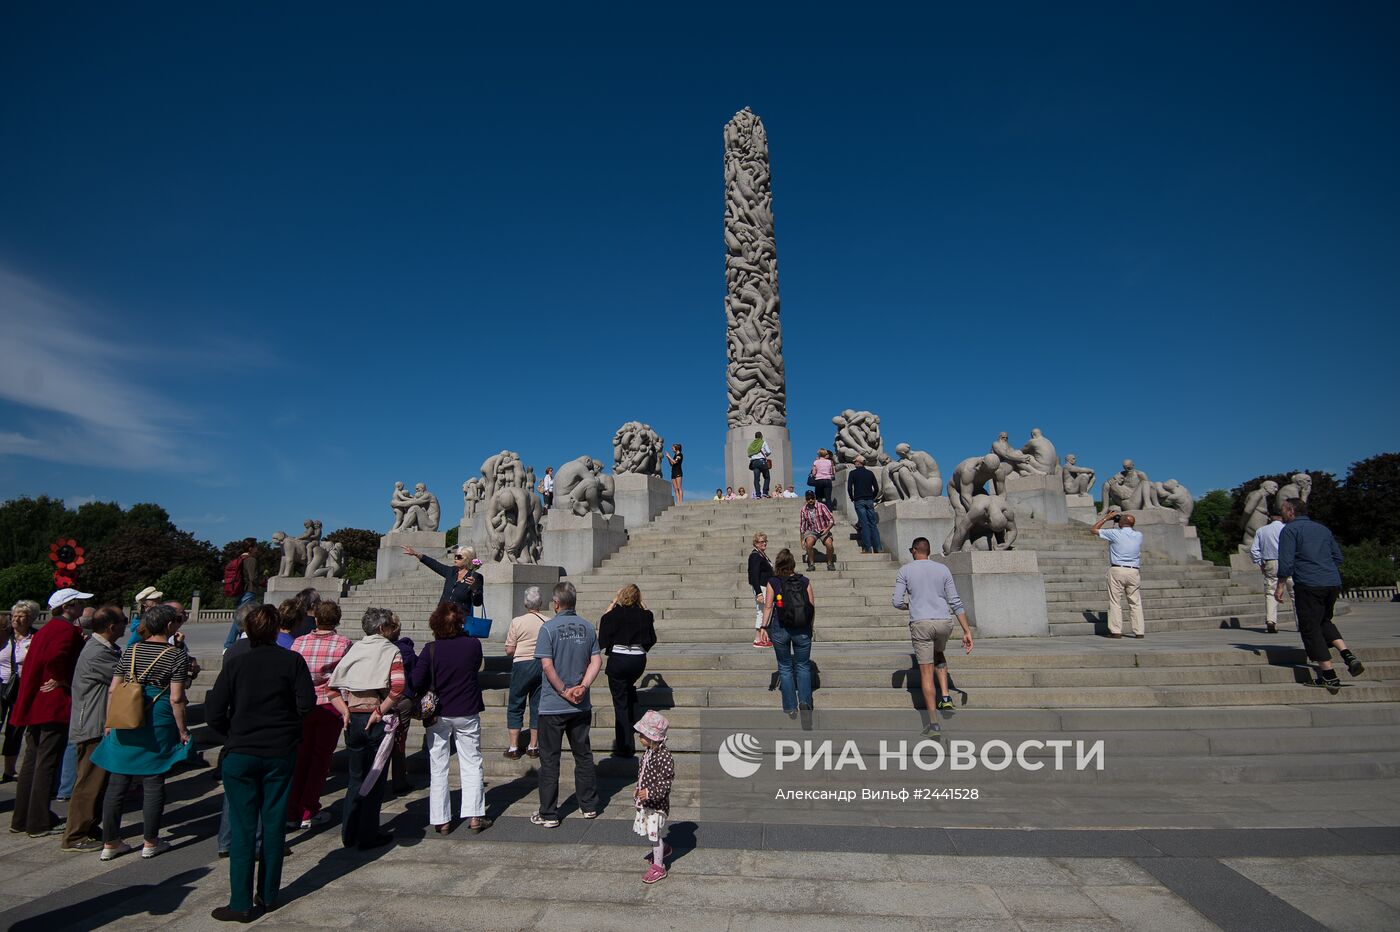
(65, 554)
(60, 581)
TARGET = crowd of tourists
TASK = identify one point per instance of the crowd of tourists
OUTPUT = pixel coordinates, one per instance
(95, 701)
(115, 691)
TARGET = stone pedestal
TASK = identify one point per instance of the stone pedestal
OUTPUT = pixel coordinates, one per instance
(472, 533)
(640, 498)
(1243, 569)
(1163, 531)
(506, 583)
(1193, 543)
(1081, 508)
(902, 521)
(736, 457)
(1038, 497)
(580, 544)
(284, 587)
(391, 562)
(1003, 591)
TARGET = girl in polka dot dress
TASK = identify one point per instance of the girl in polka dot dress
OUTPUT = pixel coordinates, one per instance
(653, 794)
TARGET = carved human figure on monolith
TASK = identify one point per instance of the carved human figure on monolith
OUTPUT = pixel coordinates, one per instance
(857, 434)
(1256, 510)
(502, 469)
(1041, 458)
(1298, 486)
(636, 449)
(755, 375)
(969, 480)
(1129, 490)
(583, 487)
(1079, 480)
(914, 474)
(1172, 494)
(989, 524)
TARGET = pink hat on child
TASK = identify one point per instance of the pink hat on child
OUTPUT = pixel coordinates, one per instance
(653, 726)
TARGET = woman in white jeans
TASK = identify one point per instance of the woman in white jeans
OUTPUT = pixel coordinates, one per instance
(448, 668)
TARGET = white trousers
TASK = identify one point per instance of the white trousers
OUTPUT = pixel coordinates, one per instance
(467, 732)
(1123, 585)
(1270, 571)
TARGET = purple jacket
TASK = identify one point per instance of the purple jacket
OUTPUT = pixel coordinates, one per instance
(451, 667)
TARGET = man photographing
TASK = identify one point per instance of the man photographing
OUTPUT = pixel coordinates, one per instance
(1124, 572)
(926, 589)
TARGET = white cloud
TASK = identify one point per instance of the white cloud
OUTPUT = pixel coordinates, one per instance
(78, 501)
(85, 406)
(199, 520)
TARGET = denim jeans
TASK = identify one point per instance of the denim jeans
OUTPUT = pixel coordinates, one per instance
(226, 830)
(67, 773)
(526, 679)
(232, 635)
(868, 525)
(793, 647)
(760, 478)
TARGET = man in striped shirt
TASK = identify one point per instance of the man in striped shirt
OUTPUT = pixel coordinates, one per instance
(814, 525)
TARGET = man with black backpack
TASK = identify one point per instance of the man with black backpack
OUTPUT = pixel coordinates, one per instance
(926, 589)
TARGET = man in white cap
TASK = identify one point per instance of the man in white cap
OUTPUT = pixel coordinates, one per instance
(144, 600)
(44, 706)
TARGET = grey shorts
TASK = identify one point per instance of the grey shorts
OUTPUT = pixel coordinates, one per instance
(929, 637)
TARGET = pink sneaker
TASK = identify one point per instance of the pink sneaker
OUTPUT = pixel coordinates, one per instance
(654, 873)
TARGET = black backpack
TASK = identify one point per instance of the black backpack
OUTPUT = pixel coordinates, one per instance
(791, 594)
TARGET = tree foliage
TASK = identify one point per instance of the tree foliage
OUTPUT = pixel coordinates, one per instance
(138, 556)
(1208, 518)
(1369, 563)
(359, 544)
(25, 581)
(182, 582)
(1369, 508)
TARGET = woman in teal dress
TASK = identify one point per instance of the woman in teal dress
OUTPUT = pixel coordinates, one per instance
(150, 751)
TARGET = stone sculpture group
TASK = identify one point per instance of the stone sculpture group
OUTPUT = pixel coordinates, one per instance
(418, 511)
(1269, 497)
(637, 449)
(514, 513)
(582, 487)
(317, 558)
(1129, 489)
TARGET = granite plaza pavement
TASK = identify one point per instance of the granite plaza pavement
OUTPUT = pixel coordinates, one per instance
(1333, 861)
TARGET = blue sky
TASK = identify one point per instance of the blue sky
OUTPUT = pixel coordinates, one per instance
(256, 264)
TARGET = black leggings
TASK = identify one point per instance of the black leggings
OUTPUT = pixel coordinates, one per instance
(151, 809)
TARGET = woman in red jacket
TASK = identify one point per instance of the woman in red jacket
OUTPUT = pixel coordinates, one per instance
(44, 705)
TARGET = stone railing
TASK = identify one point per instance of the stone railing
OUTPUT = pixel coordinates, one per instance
(1371, 594)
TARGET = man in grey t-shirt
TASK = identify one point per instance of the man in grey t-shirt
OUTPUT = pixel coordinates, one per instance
(567, 649)
(926, 589)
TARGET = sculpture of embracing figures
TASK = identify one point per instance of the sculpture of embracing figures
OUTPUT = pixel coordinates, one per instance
(418, 511)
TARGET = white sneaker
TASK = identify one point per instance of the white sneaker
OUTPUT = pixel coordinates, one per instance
(160, 848)
(109, 854)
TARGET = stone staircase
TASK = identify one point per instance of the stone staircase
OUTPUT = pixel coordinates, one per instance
(1200, 717)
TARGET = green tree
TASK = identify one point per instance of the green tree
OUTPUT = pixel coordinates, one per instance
(359, 543)
(27, 527)
(183, 582)
(139, 556)
(1369, 563)
(1369, 506)
(25, 581)
(357, 571)
(452, 535)
(1208, 518)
